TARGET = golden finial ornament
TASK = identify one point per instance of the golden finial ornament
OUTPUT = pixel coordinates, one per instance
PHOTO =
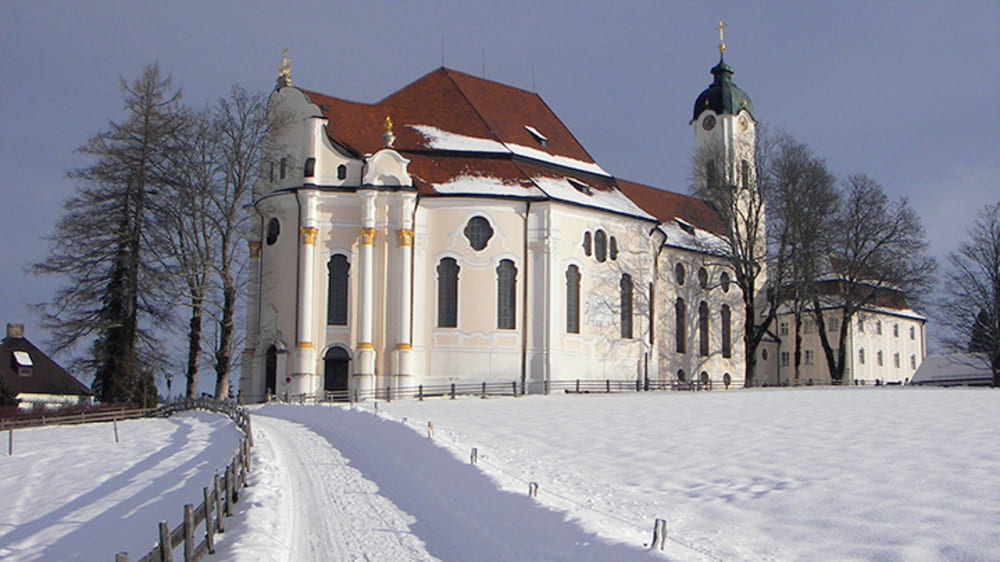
(388, 137)
(284, 69)
(722, 44)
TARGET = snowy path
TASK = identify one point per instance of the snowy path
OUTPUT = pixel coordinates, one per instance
(359, 487)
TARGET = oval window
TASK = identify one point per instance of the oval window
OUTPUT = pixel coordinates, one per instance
(724, 281)
(679, 273)
(600, 246)
(703, 278)
(479, 232)
(273, 230)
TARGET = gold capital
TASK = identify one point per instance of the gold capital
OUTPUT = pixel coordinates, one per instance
(403, 346)
(304, 345)
(254, 246)
(365, 346)
(367, 236)
(308, 235)
(405, 236)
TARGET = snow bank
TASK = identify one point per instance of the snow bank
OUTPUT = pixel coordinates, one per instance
(72, 493)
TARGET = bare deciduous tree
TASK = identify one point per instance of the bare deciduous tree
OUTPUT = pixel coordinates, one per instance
(877, 255)
(972, 309)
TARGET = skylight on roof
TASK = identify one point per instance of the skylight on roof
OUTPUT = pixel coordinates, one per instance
(22, 358)
(539, 137)
(580, 186)
(686, 226)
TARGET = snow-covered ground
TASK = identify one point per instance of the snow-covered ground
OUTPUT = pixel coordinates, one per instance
(793, 474)
(72, 493)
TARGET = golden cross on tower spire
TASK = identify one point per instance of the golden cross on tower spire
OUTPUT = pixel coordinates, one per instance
(285, 69)
(722, 44)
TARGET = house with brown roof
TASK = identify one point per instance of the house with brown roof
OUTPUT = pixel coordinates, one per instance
(457, 231)
(34, 379)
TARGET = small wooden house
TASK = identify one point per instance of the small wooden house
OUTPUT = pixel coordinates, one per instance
(34, 378)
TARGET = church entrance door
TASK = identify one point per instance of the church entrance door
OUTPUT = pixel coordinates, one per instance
(336, 369)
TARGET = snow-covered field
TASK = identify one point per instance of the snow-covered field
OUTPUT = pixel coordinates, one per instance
(72, 493)
(793, 474)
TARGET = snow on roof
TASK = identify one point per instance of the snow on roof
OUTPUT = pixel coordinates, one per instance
(957, 368)
(613, 200)
(438, 139)
(684, 235)
(23, 359)
(485, 185)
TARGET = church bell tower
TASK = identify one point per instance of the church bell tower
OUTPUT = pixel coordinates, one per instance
(724, 130)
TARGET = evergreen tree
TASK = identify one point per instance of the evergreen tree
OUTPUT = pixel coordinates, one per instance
(112, 294)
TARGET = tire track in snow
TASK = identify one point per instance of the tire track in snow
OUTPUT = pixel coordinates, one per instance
(333, 512)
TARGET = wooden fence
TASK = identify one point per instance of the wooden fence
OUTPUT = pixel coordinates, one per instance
(77, 418)
(217, 498)
(512, 388)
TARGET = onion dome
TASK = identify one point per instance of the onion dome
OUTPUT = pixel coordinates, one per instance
(722, 96)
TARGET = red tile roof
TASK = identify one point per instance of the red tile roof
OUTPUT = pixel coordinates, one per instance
(461, 104)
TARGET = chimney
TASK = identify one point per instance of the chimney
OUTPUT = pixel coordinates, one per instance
(15, 330)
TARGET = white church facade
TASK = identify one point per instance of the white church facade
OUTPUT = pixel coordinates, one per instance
(457, 232)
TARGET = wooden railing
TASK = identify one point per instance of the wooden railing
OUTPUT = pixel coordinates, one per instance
(77, 418)
(512, 388)
(218, 497)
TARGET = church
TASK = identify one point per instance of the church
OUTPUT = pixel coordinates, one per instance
(457, 232)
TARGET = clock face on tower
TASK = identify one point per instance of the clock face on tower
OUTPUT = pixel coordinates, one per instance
(708, 123)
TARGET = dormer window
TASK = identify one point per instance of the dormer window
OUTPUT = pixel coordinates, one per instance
(685, 226)
(309, 170)
(539, 137)
(580, 186)
(283, 165)
(22, 363)
(341, 172)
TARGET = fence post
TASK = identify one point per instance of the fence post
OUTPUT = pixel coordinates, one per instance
(607, 385)
(420, 393)
(513, 387)
(533, 489)
(218, 503)
(474, 456)
(115, 423)
(10, 441)
(430, 430)
(188, 532)
(209, 531)
(578, 386)
(484, 389)
(388, 394)
(229, 491)
(452, 391)
(659, 534)
(166, 549)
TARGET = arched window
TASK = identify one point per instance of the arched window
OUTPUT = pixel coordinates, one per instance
(681, 375)
(913, 361)
(478, 232)
(600, 246)
(745, 172)
(680, 313)
(587, 247)
(727, 331)
(895, 330)
(705, 379)
(895, 360)
(271, 370)
(861, 355)
(702, 278)
(878, 327)
(727, 379)
(506, 295)
(724, 281)
(626, 305)
(342, 172)
(703, 328)
(447, 271)
(309, 170)
(573, 300)
(878, 357)
(711, 180)
(273, 230)
(335, 370)
(679, 273)
(613, 248)
(336, 292)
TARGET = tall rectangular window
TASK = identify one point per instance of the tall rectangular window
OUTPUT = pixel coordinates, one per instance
(336, 292)
(447, 271)
(506, 295)
(680, 333)
(727, 331)
(626, 305)
(573, 300)
(703, 329)
(809, 357)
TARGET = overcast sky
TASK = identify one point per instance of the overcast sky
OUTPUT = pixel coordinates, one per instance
(907, 92)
